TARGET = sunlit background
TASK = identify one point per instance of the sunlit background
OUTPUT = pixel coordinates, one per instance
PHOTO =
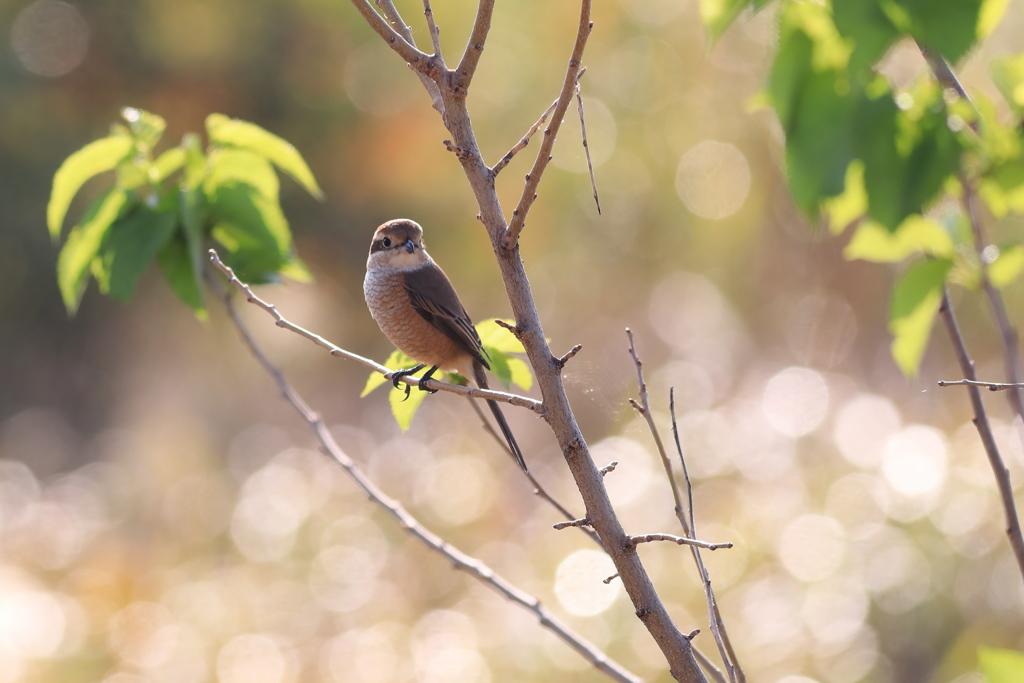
(165, 516)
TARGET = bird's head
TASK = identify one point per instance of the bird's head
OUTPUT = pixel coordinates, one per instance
(398, 244)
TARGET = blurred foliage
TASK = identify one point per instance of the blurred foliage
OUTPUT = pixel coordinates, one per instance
(163, 519)
(230, 193)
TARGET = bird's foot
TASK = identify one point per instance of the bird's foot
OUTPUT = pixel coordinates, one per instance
(397, 375)
(425, 377)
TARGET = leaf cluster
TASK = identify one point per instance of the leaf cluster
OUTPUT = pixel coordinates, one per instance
(168, 206)
(862, 153)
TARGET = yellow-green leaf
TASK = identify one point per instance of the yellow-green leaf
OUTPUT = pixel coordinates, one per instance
(95, 158)
(915, 302)
(521, 374)
(989, 16)
(916, 234)
(83, 243)
(847, 207)
(166, 164)
(494, 336)
(1008, 75)
(1007, 266)
(242, 134)
(396, 361)
(146, 127)
(404, 408)
(1001, 666)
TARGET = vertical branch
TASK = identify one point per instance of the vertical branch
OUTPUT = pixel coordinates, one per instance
(397, 23)
(1011, 342)
(980, 420)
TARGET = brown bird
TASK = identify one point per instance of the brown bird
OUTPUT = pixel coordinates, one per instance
(417, 309)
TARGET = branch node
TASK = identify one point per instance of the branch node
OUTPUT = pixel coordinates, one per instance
(692, 634)
(560, 362)
(610, 467)
(610, 578)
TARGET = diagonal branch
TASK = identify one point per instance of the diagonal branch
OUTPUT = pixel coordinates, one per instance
(980, 420)
(515, 227)
(474, 48)
(397, 23)
(281, 321)
(420, 61)
(435, 32)
(524, 141)
(459, 560)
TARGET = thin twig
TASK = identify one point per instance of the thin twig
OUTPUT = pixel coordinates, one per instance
(568, 355)
(685, 517)
(991, 386)
(610, 467)
(420, 61)
(538, 490)
(280, 321)
(523, 142)
(459, 560)
(515, 226)
(471, 57)
(725, 649)
(435, 32)
(586, 145)
(584, 522)
(403, 29)
(1011, 342)
(981, 422)
(678, 540)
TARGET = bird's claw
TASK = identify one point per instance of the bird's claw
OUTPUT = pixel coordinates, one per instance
(422, 386)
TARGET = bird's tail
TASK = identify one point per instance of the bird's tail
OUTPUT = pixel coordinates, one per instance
(481, 381)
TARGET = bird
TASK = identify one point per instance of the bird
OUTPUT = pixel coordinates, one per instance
(416, 307)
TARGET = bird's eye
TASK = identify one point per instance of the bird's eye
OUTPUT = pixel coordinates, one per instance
(386, 241)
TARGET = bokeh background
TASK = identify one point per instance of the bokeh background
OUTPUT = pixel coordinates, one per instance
(164, 515)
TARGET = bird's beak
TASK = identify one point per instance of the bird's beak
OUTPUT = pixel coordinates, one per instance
(409, 246)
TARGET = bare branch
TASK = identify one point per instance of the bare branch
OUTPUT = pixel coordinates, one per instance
(471, 57)
(538, 490)
(280, 321)
(725, 649)
(991, 386)
(988, 440)
(1011, 342)
(586, 145)
(571, 523)
(435, 32)
(679, 540)
(397, 23)
(945, 76)
(515, 227)
(459, 560)
(420, 61)
(524, 141)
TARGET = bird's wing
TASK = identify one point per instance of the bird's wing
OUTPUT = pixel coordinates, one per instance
(432, 296)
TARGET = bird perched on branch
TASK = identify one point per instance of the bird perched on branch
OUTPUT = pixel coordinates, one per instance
(417, 309)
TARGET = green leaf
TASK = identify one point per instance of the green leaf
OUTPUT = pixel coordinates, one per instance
(521, 374)
(868, 28)
(177, 268)
(296, 270)
(499, 366)
(195, 160)
(494, 336)
(166, 164)
(146, 128)
(915, 302)
(949, 28)
(1001, 666)
(241, 199)
(844, 209)
(718, 15)
(1008, 75)
(908, 155)
(405, 408)
(917, 234)
(244, 135)
(1007, 266)
(1003, 189)
(82, 245)
(131, 243)
(95, 158)
(991, 14)
(396, 361)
